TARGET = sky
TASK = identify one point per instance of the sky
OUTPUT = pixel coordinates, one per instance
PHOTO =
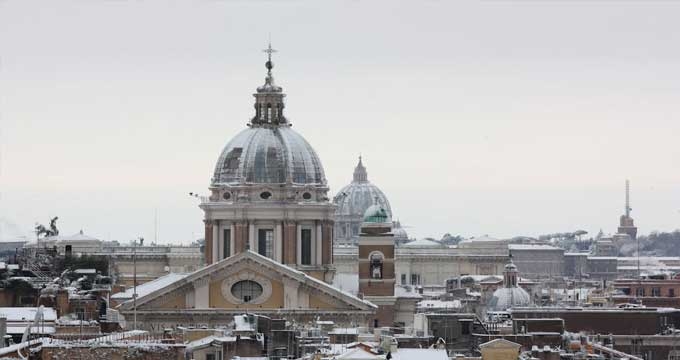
(503, 118)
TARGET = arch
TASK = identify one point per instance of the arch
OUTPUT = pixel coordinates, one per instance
(376, 260)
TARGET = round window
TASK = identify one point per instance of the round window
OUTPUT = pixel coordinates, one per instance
(265, 195)
(306, 196)
(226, 196)
(246, 290)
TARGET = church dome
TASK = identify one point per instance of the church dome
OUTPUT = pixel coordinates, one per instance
(269, 155)
(353, 199)
(268, 151)
(508, 297)
(376, 214)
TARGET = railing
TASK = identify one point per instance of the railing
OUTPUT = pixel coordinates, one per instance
(121, 338)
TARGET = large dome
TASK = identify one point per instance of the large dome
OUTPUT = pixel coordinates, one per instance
(508, 297)
(353, 199)
(269, 155)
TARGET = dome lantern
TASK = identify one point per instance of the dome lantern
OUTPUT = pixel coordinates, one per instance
(269, 98)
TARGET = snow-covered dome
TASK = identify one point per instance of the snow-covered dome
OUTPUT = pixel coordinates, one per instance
(400, 234)
(269, 155)
(268, 151)
(352, 201)
(508, 297)
(359, 195)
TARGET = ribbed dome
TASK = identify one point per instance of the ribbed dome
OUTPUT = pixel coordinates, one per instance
(268, 154)
(507, 297)
(353, 199)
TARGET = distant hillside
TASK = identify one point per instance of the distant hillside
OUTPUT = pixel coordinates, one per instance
(654, 244)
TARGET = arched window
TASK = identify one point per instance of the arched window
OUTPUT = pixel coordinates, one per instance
(376, 269)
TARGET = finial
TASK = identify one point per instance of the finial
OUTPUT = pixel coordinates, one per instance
(269, 64)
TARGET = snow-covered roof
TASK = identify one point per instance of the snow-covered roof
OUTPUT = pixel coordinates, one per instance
(484, 238)
(79, 236)
(428, 243)
(26, 314)
(20, 329)
(419, 354)
(439, 304)
(344, 331)
(149, 287)
(532, 247)
(404, 292)
(358, 354)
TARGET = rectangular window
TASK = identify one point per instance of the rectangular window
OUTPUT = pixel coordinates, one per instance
(226, 243)
(671, 292)
(306, 247)
(403, 279)
(656, 291)
(415, 279)
(265, 242)
(639, 291)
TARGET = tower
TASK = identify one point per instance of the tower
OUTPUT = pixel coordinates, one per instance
(626, 225)
(376, 263)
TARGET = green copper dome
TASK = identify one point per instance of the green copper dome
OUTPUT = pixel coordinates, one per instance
(376, 214)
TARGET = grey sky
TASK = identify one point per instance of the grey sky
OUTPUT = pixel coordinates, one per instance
(497, 117)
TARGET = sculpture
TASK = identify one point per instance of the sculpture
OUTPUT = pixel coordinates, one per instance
(41, 229)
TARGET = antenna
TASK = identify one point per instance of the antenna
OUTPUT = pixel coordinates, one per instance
(627, 198)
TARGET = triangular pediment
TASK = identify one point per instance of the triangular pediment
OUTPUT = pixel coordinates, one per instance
(499, 344)
(279, 284)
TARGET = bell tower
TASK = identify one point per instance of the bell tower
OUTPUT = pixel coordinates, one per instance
(376, 264)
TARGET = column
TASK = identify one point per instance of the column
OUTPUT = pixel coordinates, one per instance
(220, 241)
(327, 242)
(289, 242)
(278, 243)
(215, 237)
(319, 245)
(251, 237)
(208, 242)
(232, 242)
(298, 245)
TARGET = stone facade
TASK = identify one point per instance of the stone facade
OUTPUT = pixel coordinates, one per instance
(212, 296)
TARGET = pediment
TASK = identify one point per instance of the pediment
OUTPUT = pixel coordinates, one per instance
(499, 344)
(278, 286)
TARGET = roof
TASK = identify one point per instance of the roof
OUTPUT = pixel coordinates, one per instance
(533, 247)
(79, 236)
(419, 354)
(484, 238)
(499, 343)
(21, 314)
(428, 243)
(149, 287)
(358, 353)
(265, 262)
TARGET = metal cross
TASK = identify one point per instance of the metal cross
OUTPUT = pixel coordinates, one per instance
(269, 51)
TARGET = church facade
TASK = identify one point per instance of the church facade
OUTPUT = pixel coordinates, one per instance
(268, 235)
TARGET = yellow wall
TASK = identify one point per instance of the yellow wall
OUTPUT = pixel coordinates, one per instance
(500, 354)
(275, 301)
(176, 301)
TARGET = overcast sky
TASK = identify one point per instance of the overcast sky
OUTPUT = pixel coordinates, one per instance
(496, 117)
